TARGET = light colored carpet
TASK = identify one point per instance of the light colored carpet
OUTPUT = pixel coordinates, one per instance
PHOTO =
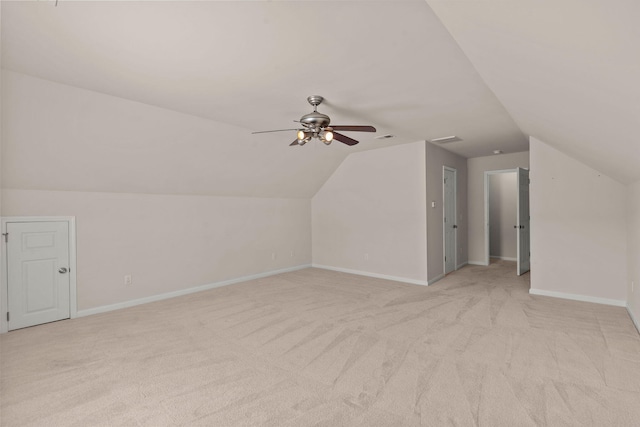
(321, 348)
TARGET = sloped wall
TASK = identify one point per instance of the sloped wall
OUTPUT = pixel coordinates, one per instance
(369, 217)
(60, 137)
(578, 229)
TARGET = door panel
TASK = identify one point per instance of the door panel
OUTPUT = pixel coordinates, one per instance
(39, 290)
(449, 221)
(38, 272)
(523, 222)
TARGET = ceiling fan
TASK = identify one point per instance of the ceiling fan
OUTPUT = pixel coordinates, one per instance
(316, 125)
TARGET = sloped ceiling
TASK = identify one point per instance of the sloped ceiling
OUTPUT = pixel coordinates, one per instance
(235, 67)
(568, 71)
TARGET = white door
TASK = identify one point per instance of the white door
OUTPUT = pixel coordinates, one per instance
(37, 272)
(523, 222)
(449, 221)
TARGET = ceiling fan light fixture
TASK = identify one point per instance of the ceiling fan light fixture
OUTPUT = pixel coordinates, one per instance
(304, 136)
(326, 136)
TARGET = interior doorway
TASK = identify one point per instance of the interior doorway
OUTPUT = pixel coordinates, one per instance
(507, 230)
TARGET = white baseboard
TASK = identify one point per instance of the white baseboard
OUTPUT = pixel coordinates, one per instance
(575, 297)
(504, 258)
(376, 275)
(461, 265)
(154, 298)
(435, 279)
(633, 319)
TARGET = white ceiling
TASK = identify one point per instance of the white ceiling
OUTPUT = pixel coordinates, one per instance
(566, 71)
(248, 66)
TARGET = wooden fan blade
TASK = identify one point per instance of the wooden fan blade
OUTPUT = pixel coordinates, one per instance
(279, 130)
(355, 128)
(344, 138)
(295, 142)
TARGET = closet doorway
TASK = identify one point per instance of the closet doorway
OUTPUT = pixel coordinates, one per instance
(507, 228)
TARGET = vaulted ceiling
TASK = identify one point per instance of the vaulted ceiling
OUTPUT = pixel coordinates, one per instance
(567, 71)
(229, 68)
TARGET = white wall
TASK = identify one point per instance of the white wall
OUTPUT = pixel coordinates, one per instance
(578, 228)
(436, 158)
(1, 145)
(370, 214)
(633, 258)
(170, 243)
(2, 131)
(476, 169)
(503, 200)
(1, 139)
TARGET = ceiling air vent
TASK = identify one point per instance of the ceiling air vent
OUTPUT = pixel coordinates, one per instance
(387, 136)
(445, 139)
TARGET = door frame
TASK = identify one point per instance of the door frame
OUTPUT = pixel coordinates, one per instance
(4, 286)
(455, 230)
(487, 231)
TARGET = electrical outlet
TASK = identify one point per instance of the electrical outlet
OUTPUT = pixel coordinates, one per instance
(127, 280)
(273, 256)
(632, 286)
(292, 253)
(366, 257)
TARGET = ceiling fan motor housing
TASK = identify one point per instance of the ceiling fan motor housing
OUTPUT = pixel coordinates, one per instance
(315, 121)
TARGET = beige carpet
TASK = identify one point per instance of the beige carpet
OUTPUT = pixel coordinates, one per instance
(316, 347)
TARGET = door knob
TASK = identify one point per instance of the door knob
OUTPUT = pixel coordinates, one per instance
(62, 270)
